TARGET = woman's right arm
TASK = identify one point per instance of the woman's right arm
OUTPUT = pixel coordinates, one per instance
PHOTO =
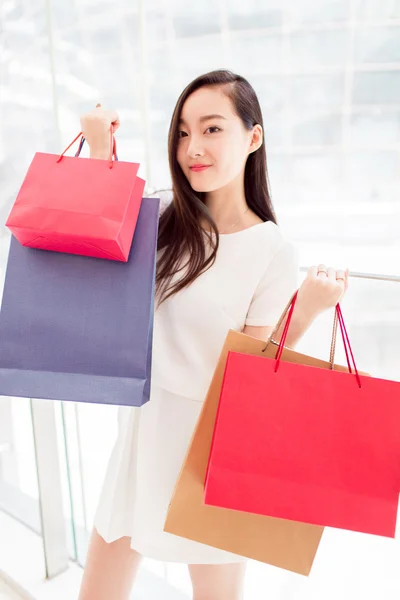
(95, 127)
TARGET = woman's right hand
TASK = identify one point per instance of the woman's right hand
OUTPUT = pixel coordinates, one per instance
(95, 126)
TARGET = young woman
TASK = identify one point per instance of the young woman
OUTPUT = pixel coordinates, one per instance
(223, 263)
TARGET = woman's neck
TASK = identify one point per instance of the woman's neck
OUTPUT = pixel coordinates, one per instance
(227, 204)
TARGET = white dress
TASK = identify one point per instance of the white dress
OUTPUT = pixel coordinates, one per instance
(250, 283)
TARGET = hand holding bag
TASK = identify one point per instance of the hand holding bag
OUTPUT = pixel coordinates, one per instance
(78, 206)
(311, 445)
(286, 544)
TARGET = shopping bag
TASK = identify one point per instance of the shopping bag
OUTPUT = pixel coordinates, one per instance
(78, 205)
(80, 328)
(298, 442)
(285, 544)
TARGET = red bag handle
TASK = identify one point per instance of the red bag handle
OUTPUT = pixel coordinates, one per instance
(343, 331)
(113, 147)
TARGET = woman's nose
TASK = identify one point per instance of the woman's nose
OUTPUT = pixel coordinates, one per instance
(195, 148)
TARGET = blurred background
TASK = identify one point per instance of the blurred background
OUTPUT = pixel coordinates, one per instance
(327, 75)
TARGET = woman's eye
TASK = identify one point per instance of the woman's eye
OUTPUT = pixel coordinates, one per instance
(217, 128)
(214, 129)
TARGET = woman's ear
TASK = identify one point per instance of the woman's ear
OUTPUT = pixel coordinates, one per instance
(256, 138)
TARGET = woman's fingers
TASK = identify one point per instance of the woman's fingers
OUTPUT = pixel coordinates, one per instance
(323, 287)
(95, 126)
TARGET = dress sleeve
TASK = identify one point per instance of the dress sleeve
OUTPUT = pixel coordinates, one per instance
(277, 285)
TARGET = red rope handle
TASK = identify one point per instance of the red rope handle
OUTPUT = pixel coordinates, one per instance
(346, 335)
(113, 147)
(71, 144)
(343, 331)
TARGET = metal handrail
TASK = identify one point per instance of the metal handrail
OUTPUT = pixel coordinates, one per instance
(378, 277)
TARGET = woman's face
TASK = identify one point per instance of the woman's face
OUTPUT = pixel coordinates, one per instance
(211, 134)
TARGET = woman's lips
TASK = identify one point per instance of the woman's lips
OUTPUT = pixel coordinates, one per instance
(198, 169)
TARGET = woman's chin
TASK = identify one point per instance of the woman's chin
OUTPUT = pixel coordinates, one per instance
(198, 186)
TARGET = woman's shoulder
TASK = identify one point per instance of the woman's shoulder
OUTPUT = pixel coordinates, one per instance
(266, 232)
(277, 234)
(274, 244)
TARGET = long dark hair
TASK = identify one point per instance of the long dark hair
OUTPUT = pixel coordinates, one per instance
(181, 238)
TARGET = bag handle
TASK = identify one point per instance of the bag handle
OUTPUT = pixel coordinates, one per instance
(113, 147)
(338, 320)
(83, 140)
(279, 323)
(345, 337)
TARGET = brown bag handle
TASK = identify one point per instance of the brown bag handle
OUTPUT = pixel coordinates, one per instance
(281, 319)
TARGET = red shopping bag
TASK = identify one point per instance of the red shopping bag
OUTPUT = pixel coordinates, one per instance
(297, 442)
(79, 206)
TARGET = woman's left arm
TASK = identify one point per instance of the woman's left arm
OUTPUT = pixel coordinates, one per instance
(322, 289)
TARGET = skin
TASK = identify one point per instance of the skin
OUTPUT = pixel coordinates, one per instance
(223, 143)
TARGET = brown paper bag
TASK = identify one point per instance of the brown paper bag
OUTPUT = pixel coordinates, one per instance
(285, 544)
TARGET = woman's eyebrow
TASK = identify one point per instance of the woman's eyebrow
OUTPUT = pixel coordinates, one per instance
(202, 119)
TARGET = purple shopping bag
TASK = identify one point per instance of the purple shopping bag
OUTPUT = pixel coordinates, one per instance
(79, 328)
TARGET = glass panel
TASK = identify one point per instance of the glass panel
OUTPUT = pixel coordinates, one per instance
(70, 472)
(245, 52)
(254, 15)
(274, 130)
(278, 168)
(196, 21)
(309, 128)
(377, 45)
(271, 91)
(23, 99)
(369, 128)
(335, 226)
(320, 167)
(195, 57)
(307, 11)
(19, 494)
(376, 87)
(371, 10)
(324, 90)
(318, 48)
(195, 25)
(380, 166)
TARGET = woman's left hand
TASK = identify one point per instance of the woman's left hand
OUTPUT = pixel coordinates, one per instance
(322, 289)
